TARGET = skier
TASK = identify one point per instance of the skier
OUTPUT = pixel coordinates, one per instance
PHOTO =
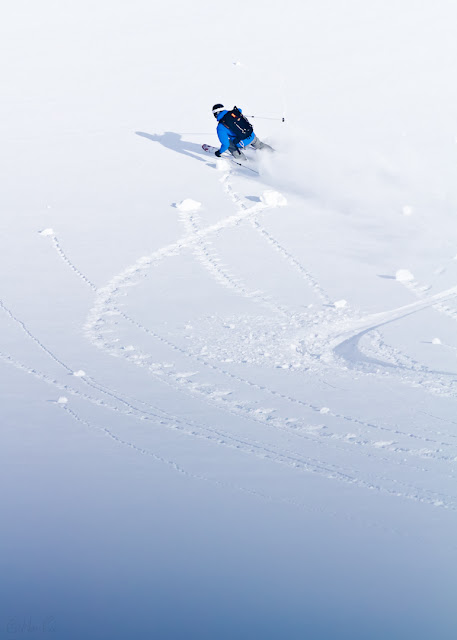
(235, 132)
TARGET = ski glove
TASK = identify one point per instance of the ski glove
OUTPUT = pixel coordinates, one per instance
(217, 153)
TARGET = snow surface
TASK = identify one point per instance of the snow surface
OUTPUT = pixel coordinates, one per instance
(228, 400)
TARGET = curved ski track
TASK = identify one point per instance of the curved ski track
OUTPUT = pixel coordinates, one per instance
(333, 341)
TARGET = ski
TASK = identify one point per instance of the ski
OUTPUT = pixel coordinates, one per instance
(209, 149)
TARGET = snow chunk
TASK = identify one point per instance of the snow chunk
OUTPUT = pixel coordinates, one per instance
(79, 374)
(185, 374)
(47, 232)
(189, 205)
(403, 275)
(324, 410)
(273, 198)
(222, 164)
(436, 341)
(62, 400)
(340, 304)
(407, 210)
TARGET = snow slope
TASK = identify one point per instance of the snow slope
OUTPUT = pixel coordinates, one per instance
(228, 400)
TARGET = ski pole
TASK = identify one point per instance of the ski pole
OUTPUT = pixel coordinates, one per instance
(225, 155)
(243, 165)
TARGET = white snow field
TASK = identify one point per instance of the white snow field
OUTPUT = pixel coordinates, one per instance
(229, 398)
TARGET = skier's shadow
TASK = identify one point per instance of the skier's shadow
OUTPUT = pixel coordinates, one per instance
(173, 141)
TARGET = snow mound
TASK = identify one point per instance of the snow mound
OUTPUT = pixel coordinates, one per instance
(62, 400)
(273, 198)
(222, 164)
(407, 210)
(403, 275)
(436, 341)
(79, 374)
(189, 205)
(340, 304)
(47, 232)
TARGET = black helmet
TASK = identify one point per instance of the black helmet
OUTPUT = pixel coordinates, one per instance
(217, 108)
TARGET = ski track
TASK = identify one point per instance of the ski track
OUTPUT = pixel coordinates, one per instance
(251, 492)
(104, 308)
(243, 412)
(240, 203)
(420, 292)
(268, 453)
(208, 258)
(420, 453)
(127, 443)
(343, 345)
(84, 379)
(33, 338)
(408, 370)
(70, 264)
(428, 379)
(170, 463)
(304, 273)
(238, 410)
(103, 302)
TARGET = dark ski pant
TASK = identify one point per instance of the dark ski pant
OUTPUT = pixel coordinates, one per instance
(256, 144)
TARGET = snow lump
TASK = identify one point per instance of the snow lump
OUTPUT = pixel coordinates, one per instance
(403, 275)
(189, 205)
(273, 198)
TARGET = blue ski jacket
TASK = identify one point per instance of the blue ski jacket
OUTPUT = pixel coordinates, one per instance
(226, 136)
